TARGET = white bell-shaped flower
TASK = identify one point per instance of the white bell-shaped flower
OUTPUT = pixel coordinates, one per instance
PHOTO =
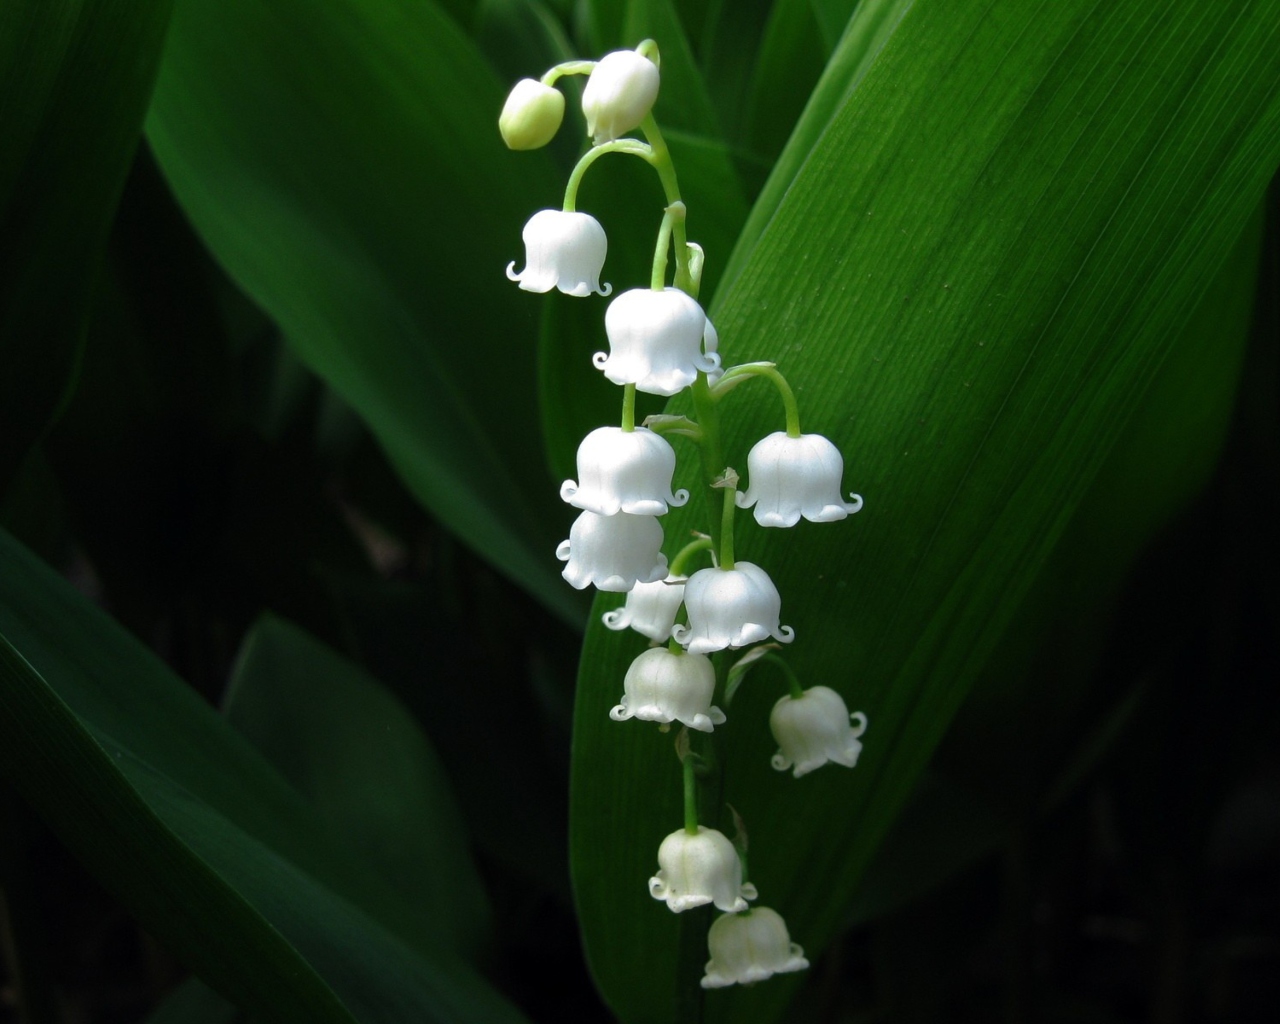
(613, 552)
(790, 477)
(531, 116)
(731, 608)
(749, 947)
(662, 686)
(619, 94)
(562, 250)
(698, 868)
(650, 609)
(815, 728)
(624, 470)
(656, 341)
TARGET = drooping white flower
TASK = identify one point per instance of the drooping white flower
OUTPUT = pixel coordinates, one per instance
(662, 686)
(619, 94)
(749, 947)
(813, 729)
(698, 868)
(613, 552)
(562, 250)
(731, 608)
(650, 609)
(531, 116)
(656, 341)
(624, 470)
(790, 477)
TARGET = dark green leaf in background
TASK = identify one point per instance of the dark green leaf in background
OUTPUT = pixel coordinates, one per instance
(973, 281)
(341, 160)
(75, 78)
(192, 830)
(346, 744)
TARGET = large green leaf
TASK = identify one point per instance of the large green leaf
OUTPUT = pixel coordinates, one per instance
(190, 828)
(354, 751)
(972, 281)
(341, 160)
(74, 83)
(868, 30)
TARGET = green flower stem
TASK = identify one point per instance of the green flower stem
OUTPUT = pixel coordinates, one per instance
(704, 404)
(793, 681)
(661, 161)
(628, 408)
(572, 67)
(672, 215)
(688, 551)
(726, 525)
(690, 795)
(735, 375)
(632, 146)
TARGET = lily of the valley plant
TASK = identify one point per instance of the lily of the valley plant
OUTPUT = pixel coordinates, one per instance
(661, 342)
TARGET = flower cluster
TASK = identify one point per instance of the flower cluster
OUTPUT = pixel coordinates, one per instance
(661, 342)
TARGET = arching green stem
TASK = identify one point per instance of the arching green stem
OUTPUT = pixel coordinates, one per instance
(793, 681)
(632, 146)
(729, 484)
(661, 161)
(672, 215)
(735, 375)
(569, 67)
(702, 543)
(628, 408)
(690, 795)
(704, 404)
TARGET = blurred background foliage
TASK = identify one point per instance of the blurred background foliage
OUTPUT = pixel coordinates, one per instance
(287, 673)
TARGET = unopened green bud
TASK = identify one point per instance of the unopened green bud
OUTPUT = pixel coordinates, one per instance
(531, 116)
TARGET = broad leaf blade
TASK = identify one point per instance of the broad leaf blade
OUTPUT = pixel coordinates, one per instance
(354, 751)
(74, 84)
(971, 283)
(186, 824)
(343, 162)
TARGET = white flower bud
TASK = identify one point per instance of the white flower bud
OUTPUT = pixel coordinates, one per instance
(749, 947)
(813, 729)
(619, 94)
(562, 250)
(698, 868)
(624, 470)
(650, 609)
(656, 341)
(731, 608)
(613, 552)
(531, 116)
(790, 477)
(662, 686)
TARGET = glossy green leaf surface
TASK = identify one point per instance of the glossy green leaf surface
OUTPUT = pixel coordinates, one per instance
(195, 833)
(74, 83)
(341, 160)
(352, 749)
(972, 282)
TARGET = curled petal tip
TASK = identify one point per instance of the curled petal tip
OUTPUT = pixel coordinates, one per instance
(779, 762)
(620, 713)
(605, 289)
(599, 359)
(680, 497)
(562, 551)
(616, 619)
(680, 633)
(785, 634)
(511, 272)
(855, 505)
(567, 490)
